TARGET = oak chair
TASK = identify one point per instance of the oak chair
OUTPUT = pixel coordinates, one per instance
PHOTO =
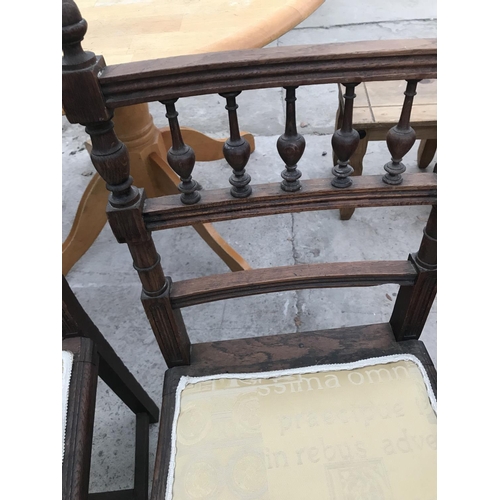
(87, 355)
(235, 413)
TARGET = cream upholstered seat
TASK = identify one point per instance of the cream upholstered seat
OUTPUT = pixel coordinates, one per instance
(363, 430)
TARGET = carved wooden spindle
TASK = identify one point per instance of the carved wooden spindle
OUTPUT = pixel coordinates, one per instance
(401, 138)
(291, 145)
(345, 141)
(181, 157)
(236, 151)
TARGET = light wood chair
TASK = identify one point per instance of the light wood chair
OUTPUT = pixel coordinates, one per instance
(377, 109)
(342, 413)
(87, 355)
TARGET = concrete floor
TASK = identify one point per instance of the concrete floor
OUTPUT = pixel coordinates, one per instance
(109, 289)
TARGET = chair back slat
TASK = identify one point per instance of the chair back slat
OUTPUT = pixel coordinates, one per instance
(299, 277)
(269, 199)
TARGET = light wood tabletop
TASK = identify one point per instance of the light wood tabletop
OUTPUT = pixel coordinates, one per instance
(138, 30)
(378, 104)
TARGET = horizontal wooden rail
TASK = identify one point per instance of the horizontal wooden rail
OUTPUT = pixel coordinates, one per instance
(268, 199)
(276, 279)
(183, 76)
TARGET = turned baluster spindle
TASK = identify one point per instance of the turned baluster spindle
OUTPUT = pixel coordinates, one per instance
(291, 145)
(236, 151)
(401, 138)
(345, 141)
(181, 157)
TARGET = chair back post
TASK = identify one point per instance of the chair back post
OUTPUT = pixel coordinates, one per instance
(84, 103)
(414, 302)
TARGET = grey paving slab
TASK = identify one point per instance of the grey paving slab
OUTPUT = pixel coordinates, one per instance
(341, 12)
(260, 111)
(388, 30)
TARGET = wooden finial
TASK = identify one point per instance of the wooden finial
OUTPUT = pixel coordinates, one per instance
(74, 28)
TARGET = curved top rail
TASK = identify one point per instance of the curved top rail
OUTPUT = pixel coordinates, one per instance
(216, 72)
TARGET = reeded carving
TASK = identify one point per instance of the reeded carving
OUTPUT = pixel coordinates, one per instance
(427, 253)
(110, 158)
(345, 141)
(181, 157)
(236, 151)
(401, 138)
(291, 145)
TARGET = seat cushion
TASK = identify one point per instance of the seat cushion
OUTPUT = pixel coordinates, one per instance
(67, 364)
(363, 430)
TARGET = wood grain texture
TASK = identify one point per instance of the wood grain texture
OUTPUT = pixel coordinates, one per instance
(230, 71)
(277, 352)
(256, 281)
(268, 199)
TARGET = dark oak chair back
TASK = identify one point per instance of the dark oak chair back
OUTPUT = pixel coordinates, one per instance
(92, 90)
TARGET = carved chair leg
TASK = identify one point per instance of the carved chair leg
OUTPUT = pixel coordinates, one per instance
(426, 152)
(89, 220)
(356, 162)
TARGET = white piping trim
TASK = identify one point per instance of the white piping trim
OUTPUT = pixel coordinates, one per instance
(185, 380)
(67, 358)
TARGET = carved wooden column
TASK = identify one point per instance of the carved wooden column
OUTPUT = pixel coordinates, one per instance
(345, 141)
(236, 150)
(414, 302)
(291, 145)
(401, 138)
(84, 103)
(181, 157)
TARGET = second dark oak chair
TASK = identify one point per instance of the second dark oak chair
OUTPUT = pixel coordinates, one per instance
(325, 414)
(87, 355)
